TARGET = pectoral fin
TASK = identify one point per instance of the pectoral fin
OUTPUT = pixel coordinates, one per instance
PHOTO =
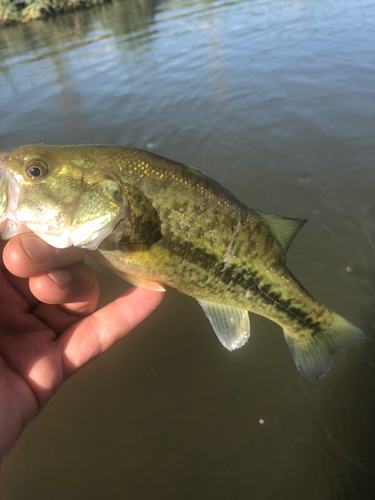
(231, 325)
(142, 282)
(144, 221)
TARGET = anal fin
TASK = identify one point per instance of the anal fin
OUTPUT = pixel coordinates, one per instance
(231, 325)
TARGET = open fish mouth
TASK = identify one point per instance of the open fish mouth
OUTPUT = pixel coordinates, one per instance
(9, 196)
(3, 189)
(2, 165)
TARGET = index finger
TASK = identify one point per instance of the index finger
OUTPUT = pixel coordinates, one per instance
(91, 336)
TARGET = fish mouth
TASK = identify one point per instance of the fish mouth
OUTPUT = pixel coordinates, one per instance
(3, 188)
(9, 195)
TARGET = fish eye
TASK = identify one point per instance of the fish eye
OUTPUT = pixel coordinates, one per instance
(36, 169)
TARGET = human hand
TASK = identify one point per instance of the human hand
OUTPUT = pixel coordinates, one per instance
(49, 328)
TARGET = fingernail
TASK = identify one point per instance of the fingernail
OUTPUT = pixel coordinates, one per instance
(61, 277)
(36, 248)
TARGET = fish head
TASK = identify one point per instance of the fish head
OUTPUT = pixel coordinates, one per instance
(57, 193)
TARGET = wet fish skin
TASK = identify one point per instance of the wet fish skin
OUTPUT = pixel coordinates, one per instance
(165, 222)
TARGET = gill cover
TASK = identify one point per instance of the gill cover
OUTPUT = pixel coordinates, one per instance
(98, 211)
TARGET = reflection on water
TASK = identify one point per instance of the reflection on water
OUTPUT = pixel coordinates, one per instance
(275, 100)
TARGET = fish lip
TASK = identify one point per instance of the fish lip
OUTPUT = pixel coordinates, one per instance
(2, 170)
(9, 195)
(2, 164)
(3, 192)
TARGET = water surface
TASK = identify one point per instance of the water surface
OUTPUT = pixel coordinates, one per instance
(275, 100)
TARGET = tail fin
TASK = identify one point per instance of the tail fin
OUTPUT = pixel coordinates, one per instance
(313, 353)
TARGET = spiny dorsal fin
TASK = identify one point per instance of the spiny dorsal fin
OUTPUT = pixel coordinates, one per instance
(231, 325)
(284, 229)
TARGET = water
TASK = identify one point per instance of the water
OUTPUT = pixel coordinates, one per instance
(275, 100)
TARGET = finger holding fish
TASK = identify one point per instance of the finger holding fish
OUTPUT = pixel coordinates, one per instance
(74, 287)
(27, 255)
(56, 276)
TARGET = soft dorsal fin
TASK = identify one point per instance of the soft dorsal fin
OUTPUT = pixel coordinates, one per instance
(231, 325)
(284, 229)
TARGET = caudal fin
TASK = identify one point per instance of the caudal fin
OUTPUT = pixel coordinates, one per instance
(313, 353)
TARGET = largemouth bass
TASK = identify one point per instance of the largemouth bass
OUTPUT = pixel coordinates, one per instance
(156, 222)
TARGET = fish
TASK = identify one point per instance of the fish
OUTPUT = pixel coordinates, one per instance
(156, 222)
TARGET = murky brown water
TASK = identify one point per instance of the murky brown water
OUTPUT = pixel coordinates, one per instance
(275, 100)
